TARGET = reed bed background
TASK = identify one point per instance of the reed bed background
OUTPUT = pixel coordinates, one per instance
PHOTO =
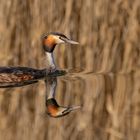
(109, 33)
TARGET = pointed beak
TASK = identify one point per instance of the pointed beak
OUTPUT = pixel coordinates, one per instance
(70, 41)
(74, 108)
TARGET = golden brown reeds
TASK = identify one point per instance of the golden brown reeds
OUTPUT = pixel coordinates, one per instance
(109, 36)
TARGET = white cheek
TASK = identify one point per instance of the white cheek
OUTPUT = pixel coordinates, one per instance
(60, 41)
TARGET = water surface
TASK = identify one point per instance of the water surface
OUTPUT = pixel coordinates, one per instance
(109, 108)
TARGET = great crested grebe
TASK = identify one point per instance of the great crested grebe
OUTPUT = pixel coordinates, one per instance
(53, 109)
(49, 42)
(22, 74)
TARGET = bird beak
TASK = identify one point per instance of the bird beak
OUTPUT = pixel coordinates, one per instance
(74, 108)
(70, 41)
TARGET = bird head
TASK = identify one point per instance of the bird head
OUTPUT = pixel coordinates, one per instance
(50, 40)
(54, 110)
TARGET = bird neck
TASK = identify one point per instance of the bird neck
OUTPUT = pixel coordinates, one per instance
(50, 60)
(51, 88)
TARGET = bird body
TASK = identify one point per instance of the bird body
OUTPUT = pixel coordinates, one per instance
(19, 76)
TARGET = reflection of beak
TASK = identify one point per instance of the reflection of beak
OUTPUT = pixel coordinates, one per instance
(74, 108)
(70, 41)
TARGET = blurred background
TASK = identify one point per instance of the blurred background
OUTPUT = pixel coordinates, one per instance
(105, 69)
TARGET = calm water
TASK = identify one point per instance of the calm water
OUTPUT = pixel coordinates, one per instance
(109, 108)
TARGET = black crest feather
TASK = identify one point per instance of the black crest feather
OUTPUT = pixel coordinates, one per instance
(53, 33)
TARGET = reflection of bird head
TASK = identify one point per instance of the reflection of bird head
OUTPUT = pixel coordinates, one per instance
(50, 40)
(54, 110)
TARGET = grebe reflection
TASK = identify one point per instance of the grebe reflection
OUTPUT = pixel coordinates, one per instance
(53, 108)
